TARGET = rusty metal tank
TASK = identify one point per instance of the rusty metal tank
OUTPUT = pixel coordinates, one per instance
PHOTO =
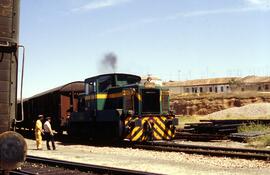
(12, 145)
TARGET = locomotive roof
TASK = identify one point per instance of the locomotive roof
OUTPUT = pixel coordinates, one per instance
(98, 76)
(77, 86)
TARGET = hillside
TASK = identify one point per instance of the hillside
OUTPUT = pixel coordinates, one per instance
(209, 103)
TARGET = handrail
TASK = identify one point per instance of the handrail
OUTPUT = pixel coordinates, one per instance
(21, 92)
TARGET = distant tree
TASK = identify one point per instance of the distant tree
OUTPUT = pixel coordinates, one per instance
(235, 83)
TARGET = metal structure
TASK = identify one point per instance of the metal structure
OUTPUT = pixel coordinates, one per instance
(244, 153)
(54, 167)
(9, 23)
(12, 144)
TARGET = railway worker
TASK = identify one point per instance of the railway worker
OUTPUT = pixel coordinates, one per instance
(49, 133)
(39, 132)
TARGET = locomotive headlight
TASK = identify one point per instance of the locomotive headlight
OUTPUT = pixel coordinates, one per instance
(130, 112)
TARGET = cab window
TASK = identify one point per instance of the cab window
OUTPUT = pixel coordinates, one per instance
(104, 83)
(90, 88)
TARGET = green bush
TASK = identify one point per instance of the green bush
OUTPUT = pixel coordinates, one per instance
(253, 127)
(260, 141)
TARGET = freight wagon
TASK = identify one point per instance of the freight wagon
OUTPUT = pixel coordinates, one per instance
(56, 103)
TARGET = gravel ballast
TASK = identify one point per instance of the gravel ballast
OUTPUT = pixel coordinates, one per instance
(151, 161)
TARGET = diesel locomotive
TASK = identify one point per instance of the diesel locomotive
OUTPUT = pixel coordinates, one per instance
(109, 107)
(117, 106)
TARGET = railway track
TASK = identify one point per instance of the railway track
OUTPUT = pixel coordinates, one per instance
(243, 153)
(38, 165)
(206, 150)
(206, 130)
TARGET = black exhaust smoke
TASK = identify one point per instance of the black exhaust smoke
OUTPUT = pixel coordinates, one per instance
(108, 63)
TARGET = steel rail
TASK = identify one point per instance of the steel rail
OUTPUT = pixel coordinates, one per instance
(206, 150)
(80, 166)
(246, 150)
(21, 172)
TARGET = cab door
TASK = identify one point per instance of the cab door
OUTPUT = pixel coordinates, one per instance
(91, 92)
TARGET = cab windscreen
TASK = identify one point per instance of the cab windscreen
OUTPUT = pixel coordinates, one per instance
(150, 101)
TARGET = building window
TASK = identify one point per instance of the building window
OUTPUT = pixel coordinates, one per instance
(266, 87)
(210, 89)
(259, 88)
(187, 90)
(228, 87)
(242, 89)
(192, 90)
(216, 89)
(201, 89)
(221, 89)
(195, 90)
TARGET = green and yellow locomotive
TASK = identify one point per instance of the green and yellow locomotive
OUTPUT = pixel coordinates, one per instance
(117, 107)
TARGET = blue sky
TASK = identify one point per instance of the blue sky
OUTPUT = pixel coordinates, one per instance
(172, 39)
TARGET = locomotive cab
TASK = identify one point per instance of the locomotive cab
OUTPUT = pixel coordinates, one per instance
(100, 107)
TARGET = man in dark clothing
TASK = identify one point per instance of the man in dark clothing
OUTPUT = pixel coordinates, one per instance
(49, 133)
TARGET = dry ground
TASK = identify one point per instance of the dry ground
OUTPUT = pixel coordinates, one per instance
(151, 161)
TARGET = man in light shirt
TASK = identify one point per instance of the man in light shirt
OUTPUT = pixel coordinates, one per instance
(49, 133)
